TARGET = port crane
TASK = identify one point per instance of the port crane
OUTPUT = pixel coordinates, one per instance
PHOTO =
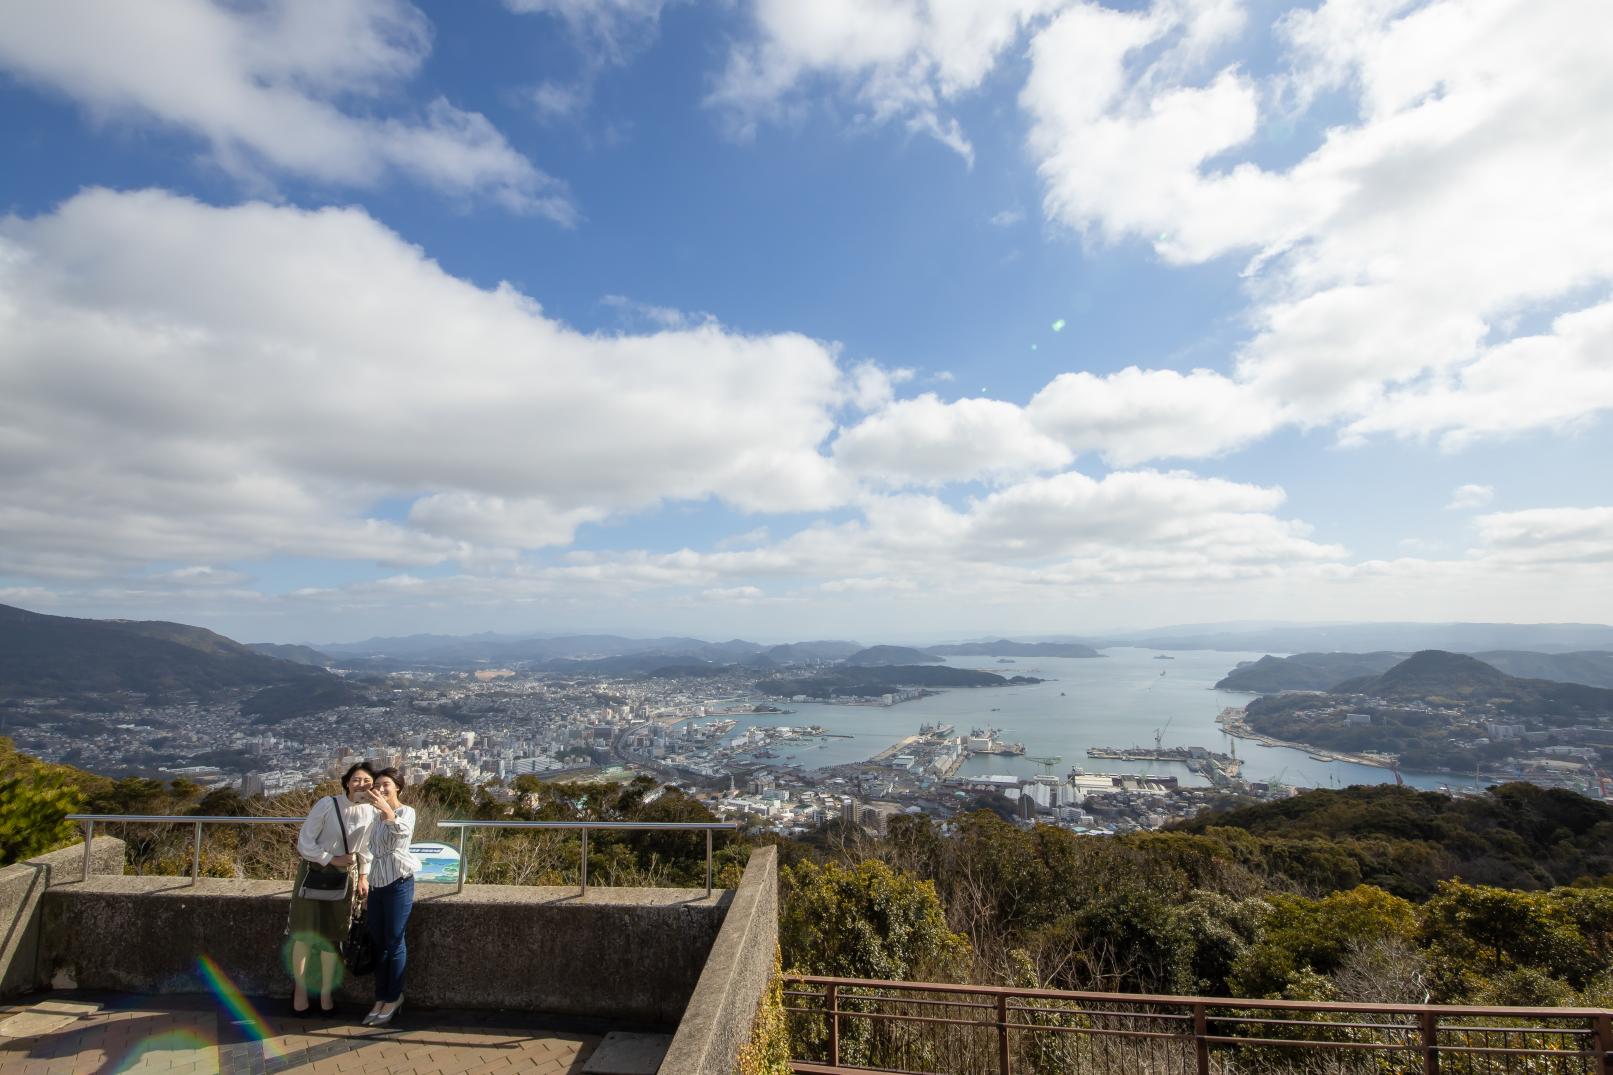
(1046, 762)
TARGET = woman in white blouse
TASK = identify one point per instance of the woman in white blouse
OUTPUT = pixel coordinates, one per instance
(392, 870)
(323, 845)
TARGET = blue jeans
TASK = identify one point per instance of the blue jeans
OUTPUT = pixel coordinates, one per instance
(387, 915)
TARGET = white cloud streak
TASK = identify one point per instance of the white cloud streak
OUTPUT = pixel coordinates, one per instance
(275, 91)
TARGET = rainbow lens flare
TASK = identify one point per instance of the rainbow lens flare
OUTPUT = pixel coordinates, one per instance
(149, 1054)
(237, 1004)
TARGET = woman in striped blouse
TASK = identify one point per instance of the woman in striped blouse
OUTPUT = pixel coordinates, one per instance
(392, 871)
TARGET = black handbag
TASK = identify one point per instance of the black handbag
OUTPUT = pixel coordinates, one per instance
(358, 951)
(327, 883)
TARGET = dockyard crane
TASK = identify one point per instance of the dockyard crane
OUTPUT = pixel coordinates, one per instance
(1159, 733)
(1046, 762)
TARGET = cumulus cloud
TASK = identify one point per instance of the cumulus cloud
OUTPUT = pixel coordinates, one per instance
(1136, 415)
(161, 400)
(271, 90)
(1387, 263)
(926, 441)
(1052, 533)
(1550, 535)
(903, 61)
(1467, 497)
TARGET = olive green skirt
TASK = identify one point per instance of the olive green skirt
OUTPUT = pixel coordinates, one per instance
(319, 921)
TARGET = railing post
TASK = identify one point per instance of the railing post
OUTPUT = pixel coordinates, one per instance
(196, 855)
(1602, 1035)
(585, 861)
(89, 840)
(1430, 1029)
(708, 864)
(1201, 1030)
(464, 861)
(832, 995)
(1004, 1064)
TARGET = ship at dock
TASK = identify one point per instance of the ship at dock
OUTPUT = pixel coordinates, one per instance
(1216, 767)
(990, 741)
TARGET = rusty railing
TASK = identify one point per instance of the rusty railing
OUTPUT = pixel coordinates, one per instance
(859, 1025)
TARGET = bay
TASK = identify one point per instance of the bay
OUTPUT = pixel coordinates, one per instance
(1118, 700)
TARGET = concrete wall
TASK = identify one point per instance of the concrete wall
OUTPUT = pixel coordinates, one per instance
(22, 890)
(632, 955)
(722, 1010)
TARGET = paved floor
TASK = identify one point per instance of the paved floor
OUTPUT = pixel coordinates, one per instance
(67, 1034)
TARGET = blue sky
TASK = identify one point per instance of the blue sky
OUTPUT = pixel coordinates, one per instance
(891, 319)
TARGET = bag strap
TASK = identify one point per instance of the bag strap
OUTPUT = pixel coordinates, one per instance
(341, 823)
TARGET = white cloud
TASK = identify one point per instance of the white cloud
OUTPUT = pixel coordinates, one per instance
(160, 403)
(274, 91)
(553, 101)
(1550, 535)
(1136, 415)
(872, 386)
(610, 29)
(1041, 536)
(1389, 261)
(901, 60)
(925, 441)
(1007, 218)
(1467, 497)
(1556, 380)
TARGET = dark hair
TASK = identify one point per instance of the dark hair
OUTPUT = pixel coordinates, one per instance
(363, 766)
(392, 775)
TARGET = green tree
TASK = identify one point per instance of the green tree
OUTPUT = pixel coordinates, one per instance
(867, 921)
(35, 800)
(1482, 938)
(1304, 937)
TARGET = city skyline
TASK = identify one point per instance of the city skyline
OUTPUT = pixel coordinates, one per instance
(892, 321)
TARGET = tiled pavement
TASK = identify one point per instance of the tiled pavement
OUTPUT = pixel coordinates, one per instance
(67, 1034)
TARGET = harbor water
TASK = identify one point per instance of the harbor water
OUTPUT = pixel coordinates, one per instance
(1118, 700)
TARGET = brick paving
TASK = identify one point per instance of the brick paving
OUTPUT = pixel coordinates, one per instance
(185, 1035)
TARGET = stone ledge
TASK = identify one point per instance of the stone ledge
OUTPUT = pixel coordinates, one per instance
(22, 889)
(631, 955)
(722, 1010)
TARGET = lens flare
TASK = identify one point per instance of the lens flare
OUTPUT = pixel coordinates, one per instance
(1058, 326)
(237, 1004)
(147, 1054)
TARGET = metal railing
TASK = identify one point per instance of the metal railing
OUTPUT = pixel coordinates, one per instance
(947, 1029)
(587, 826)
(89, 821)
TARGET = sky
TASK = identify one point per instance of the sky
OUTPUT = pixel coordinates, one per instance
(872, 319)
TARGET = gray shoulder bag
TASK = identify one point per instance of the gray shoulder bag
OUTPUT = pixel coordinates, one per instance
(329, 883)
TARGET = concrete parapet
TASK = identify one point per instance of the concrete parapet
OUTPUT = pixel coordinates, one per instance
(633, 955)
(22, 889)
(720, 1014)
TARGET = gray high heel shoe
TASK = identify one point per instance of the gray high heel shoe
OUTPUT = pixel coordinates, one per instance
(383, 1020)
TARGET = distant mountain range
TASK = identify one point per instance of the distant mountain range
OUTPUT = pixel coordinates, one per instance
(1371, 637)
(892, 655)
(1435, 677)
(863, 680)
(1324, 671)
(62, 657)
(299, 654)
(1002, 647)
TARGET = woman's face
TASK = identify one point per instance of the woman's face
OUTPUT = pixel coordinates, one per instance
(358, 784)
(387, 789)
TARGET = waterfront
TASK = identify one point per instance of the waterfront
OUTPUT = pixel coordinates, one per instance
(1117, 700)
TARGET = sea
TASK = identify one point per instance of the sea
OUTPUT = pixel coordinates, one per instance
(1121, 699)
